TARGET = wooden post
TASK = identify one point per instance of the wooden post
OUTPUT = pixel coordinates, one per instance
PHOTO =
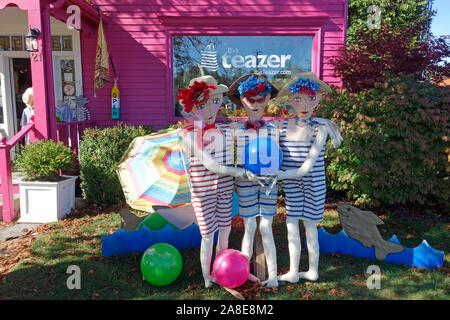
(74, 138)
(259, 264)
(42, 72)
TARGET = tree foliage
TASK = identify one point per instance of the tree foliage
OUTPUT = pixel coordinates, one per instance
(397, 14)
(395, 50)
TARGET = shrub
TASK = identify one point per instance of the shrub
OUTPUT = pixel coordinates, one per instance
(395, 147)
(99, 155)
(42, 160)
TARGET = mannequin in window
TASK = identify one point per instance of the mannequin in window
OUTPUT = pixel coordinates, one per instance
(28, 112)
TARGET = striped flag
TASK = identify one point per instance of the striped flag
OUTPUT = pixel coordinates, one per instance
(101, 75)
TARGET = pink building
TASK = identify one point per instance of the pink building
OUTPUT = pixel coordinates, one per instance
(156, 46)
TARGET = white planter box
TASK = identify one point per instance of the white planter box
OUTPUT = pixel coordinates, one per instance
(43, 202)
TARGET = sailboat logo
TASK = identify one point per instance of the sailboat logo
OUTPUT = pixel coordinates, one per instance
(209, 58)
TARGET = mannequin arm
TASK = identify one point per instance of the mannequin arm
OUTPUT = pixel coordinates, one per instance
(208, 162)
(311, 159)
(333, 131)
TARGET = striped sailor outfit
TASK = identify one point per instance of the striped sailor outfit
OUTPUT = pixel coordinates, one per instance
(253, 200)
(305, 197)
(212, 194)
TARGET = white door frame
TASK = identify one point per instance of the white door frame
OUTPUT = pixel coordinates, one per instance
(75, 55)
(8, 100)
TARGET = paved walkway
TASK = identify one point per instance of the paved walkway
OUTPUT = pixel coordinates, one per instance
(9, 232)
(15, 231)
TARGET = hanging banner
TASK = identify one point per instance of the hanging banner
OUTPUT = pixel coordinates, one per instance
(101, 75)
(115, 101)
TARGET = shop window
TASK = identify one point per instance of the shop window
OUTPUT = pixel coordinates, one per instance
(56, 43)
(68, 79)
(228, 57)
(67, 43)
(62, 43)
(17, 43)
(4, 43)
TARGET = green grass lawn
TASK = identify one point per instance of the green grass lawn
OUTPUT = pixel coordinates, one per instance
(41, 274)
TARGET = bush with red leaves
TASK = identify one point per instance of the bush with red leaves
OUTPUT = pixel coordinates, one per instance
(398, 51)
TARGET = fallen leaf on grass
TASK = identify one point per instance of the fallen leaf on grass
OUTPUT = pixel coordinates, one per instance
(334, 292)
(250, 289)
(444, 269)
(307, 296)
(192, 272)
(191, 287)
(93, 258)
(135, 269)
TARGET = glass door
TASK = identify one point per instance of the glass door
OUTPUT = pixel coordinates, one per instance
(20, 75)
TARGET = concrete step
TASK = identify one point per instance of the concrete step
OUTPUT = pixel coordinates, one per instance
(16, 177)
(16, 204)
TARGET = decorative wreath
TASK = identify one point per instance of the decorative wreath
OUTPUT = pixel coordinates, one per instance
(254, 86)
(305, 86)
(197, 94)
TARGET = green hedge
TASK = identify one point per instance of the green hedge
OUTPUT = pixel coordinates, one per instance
(395, 147)
(99, 154)
(42, 160)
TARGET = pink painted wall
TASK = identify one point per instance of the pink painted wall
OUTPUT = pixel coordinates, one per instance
(138, 42)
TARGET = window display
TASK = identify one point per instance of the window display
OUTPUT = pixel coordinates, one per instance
(229, 57)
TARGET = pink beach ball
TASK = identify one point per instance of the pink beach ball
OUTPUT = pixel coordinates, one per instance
(231, 268)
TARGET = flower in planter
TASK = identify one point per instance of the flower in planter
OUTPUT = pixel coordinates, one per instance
(42, 160)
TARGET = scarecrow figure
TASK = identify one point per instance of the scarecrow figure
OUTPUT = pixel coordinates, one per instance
(211, 171)
(253, 92)
(302, 141)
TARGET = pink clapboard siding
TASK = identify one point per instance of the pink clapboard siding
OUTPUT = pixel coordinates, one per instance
(138, 34)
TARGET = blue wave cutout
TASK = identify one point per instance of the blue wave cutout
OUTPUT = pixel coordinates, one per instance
(124, 242)
(422, 256)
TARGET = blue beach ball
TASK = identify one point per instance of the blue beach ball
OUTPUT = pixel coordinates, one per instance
(262, 156)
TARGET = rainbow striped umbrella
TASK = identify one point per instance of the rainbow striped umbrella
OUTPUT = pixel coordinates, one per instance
(153, 172)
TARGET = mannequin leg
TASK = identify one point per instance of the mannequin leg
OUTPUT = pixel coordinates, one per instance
(265, 227)
(249, 236)
(313, 251)
(206, 249)
(295, 250)
(222, 241)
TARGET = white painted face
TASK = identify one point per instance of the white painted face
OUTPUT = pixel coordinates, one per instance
(255, 106)
(304, 104)
(208, 111)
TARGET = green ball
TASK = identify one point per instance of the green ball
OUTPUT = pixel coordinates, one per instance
(161, 264)
(154, 222)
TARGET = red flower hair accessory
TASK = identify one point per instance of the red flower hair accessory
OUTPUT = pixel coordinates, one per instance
(192, 95)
